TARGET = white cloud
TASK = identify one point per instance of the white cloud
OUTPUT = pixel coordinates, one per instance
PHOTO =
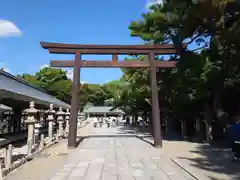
(44, 66)
(152, 2)
(70, 76)
(8, 28)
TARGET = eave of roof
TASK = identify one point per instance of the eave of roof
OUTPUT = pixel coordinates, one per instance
(4, 107)
(55, 101)
(20, 80)
(101, 109)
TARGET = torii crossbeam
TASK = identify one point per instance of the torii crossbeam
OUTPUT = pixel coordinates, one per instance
(115, 50)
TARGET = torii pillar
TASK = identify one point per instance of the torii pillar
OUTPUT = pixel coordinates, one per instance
(72, 143)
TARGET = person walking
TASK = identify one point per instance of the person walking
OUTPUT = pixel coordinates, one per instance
(95, 121)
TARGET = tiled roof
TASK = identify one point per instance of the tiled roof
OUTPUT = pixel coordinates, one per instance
(17, 88)
(100, 109)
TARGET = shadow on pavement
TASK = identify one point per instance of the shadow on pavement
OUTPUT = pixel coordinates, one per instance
(122, 131)
(80, 140)
(216, 159)
(148, 142)
(213, 159)
(214, 162)
(146, 131)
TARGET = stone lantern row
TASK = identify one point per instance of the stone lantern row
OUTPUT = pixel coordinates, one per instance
(34, 126)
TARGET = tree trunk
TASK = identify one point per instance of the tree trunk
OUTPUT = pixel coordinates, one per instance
(198, 130)
(127, 120)
(183, 128)
(133, 120)
(166, 122)
(208, 119)
(218, 127)
(136, 118)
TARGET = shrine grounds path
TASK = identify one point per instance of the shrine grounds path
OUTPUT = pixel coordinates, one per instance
(124, 154)
(110, 154)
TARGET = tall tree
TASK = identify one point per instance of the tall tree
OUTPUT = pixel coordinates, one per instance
(201, 77)
(47, 76)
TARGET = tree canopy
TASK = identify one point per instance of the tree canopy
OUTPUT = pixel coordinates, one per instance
(55, 82)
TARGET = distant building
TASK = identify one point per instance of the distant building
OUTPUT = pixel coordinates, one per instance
(91, 111)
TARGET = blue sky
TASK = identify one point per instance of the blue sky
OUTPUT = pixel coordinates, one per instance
(23, 24)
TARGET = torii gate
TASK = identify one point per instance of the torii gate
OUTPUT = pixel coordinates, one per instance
(114, 50)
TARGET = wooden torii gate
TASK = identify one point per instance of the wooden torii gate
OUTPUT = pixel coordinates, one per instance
(114, 50)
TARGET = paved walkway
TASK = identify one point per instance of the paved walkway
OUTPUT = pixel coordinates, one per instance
(48, 161)
(117, 158)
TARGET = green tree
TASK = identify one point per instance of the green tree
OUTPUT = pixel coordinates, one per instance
(201, 77)
(61, 89)
(30, 79)
(48, 76)
(132, 91)
(54, 81)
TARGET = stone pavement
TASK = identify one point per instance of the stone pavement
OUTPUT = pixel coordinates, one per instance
(48, 161)
(121, 157)
(203, 160)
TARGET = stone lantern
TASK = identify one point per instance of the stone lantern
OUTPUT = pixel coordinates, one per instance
(60, 119)
(37, 127)
(30, 120)
(67, 118)
(50, 118)
(41, 114)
